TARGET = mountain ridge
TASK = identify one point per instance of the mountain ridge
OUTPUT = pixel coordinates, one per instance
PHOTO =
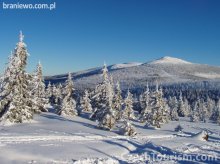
(136, 75)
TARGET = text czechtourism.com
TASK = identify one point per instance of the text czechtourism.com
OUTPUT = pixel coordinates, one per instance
(179, 157)
(28, 6)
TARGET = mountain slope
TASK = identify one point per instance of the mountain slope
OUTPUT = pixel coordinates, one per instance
(136, 75)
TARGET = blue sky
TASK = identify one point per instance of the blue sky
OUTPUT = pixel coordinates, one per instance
(81, 34)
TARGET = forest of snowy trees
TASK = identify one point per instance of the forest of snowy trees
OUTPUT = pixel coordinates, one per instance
(24, 94)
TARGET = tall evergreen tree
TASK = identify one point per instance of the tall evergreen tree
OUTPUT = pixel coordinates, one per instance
(128, 112)
(216, 112)
(194, 117)
(103, 111)
(203, 112)
(159, 111)
(68, 107)
(49, 91)
(210, 105)
(181, 107)
(58, 93)
(85, 102)
(39, 95)
(102, 98)
(15, 104)
(145, 106)
(53, 96)
(173, 109)
(187, 107)
(117, 102)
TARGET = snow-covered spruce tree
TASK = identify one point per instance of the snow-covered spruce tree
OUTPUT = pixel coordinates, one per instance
(15, 103)
(194, 117)
(173, 109)
(108, 121)
(68, 107)
(53, 95)
(39, 95)
(85, 102)
(181, 107)
(145, 106)
(102, 102)
(101, 97)
(117, 102)
(203, 113)
(128, 129)
(58, 94)
(49, 91)
(159, 114)
(216, 112)
(211, 106)
(128, 112)
(187, 107)
(143, 97)
(164, 107)
(109, 115)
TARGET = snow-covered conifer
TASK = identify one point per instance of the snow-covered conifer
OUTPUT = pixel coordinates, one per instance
(159, 113)
(117, 102)
(102, 100)
(173, 109)
(187, 107)
(216, 112)
(194, 117)
(49, 91)
(203, 112)
(181, 107)
(108, 121)
(164, 108)
(128, 111)
(68, 107)
(211, 106)
(53, 95)
(58, 94)
(145, 106)
(85, 102)
(16, 103)
(39, 96)
(128, 129)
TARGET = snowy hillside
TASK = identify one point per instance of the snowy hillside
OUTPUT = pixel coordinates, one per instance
(164, 70)
(124, 65)
(55, 139)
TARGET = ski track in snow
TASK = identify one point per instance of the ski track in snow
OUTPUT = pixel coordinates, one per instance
(64, 138)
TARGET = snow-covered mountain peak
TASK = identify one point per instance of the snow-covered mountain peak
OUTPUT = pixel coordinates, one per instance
(169, 60)
(125, 65)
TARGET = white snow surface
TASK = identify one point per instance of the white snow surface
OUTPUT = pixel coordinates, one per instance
(125, 65)
(169, 60)
(54, 139)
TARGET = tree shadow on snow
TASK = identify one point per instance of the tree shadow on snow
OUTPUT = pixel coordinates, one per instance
(108, 155)
(60, 118)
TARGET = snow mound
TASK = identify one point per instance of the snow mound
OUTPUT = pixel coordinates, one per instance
(169, 60)
(200, 136)
(125, 65)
